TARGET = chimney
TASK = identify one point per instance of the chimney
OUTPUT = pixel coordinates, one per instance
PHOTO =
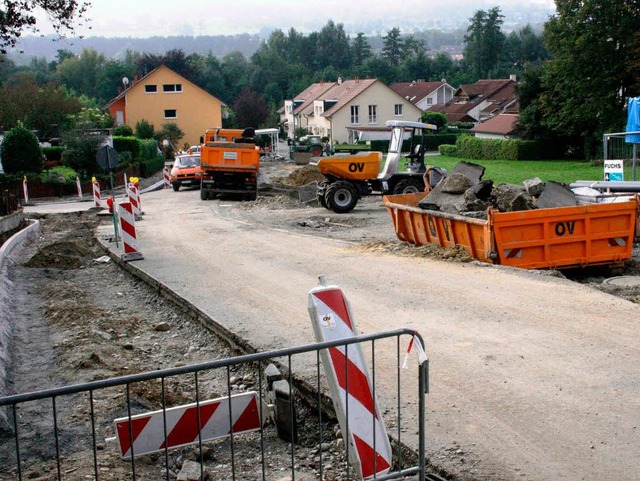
(339, 80)
(513, 77)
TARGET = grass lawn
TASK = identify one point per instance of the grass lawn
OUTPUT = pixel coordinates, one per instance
(516, 171)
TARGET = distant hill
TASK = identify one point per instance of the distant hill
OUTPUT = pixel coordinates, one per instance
(219, 45)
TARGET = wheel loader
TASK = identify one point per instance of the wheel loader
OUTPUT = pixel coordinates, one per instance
(349, 177)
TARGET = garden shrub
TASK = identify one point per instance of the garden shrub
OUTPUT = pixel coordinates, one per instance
(148, 167)
(127, 144)
(122, 131)
(148, 149)
(144, 129)
(21, 152)
(448, 150)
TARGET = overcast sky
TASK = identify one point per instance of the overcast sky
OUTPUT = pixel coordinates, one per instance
(145, 18)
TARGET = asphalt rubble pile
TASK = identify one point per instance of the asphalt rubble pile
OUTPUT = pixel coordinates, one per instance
(464, 192)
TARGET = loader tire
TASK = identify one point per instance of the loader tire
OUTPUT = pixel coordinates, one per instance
(204, 194)
(316, 151)
(408, 187)
(341, 197)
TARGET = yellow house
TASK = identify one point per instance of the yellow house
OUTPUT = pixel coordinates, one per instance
(164, 96)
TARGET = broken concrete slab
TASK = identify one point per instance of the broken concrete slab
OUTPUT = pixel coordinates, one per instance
(511, 198)
(448, 195)
(556, 194)
(534, 186)
(456, 183)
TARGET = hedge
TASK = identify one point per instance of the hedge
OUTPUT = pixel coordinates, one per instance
(470, 147)
(127, 144)
(53, 154)
(148, 148)
(148, 167)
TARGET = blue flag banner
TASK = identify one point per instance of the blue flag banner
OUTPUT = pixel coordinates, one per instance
(633, 121)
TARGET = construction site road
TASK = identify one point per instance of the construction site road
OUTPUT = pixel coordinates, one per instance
(533, 377)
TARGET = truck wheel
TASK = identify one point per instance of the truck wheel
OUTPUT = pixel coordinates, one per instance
(176, 186)
(204, 194)
(322, 201)
(251, 196)
(408, 187)
(316, 151)
(341, 197)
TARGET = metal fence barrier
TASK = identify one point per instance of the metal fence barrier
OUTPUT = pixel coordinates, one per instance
(62, 431)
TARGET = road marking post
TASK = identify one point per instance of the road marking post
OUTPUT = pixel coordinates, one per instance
(166, 174)
(349, 383)
(25, 190)
(182, 427)
(79, 187)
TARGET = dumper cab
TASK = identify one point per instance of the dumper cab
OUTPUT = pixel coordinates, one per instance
(349, 177)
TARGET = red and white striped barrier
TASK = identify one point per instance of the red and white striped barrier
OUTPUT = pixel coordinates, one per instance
(349, 383)
(166, 174)
(128, 232)
(96, 194)
(25, 190)
(148, 430)
(134, 199)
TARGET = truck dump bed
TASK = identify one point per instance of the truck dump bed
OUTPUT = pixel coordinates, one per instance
(563, 237)
(229, 156)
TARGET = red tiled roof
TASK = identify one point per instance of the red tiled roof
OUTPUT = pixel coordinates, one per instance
(484, 87)
(345, 93)
(415, 91)
(502, 124)
(311, 93)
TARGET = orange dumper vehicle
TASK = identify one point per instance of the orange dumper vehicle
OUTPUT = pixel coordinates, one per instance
(229, 161)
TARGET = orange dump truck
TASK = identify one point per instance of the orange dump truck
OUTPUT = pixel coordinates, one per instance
(557, 238)
(230, 161)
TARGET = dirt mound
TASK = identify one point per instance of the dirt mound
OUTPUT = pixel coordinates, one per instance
(453, 254)
(301, 176)
(62, 255)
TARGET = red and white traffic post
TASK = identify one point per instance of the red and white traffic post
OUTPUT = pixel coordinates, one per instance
(128, 232)
(218, 418)
(96, 192)
(134, 199)
(166, 174)
(349, 383)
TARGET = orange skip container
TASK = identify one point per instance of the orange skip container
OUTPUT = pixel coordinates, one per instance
(562, 237)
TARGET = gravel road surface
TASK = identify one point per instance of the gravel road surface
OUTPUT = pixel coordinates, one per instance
(533, 376)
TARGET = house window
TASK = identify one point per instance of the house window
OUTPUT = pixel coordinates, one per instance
(170, 114)
(355, 114)
(373, 114)
(150, 89)
(398, 110)
(429, 101)
(171, 88)
(318, 110)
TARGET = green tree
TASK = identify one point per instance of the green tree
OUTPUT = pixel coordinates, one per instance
(525, 46)
(484, 42)
(80, 74)
(18, 16)
(588, 78)
(21, 152)
(36, 107)
(81, 148)
(392, 47)
(333, 47)
(109, 79)
(360, 48)
(436, 118)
